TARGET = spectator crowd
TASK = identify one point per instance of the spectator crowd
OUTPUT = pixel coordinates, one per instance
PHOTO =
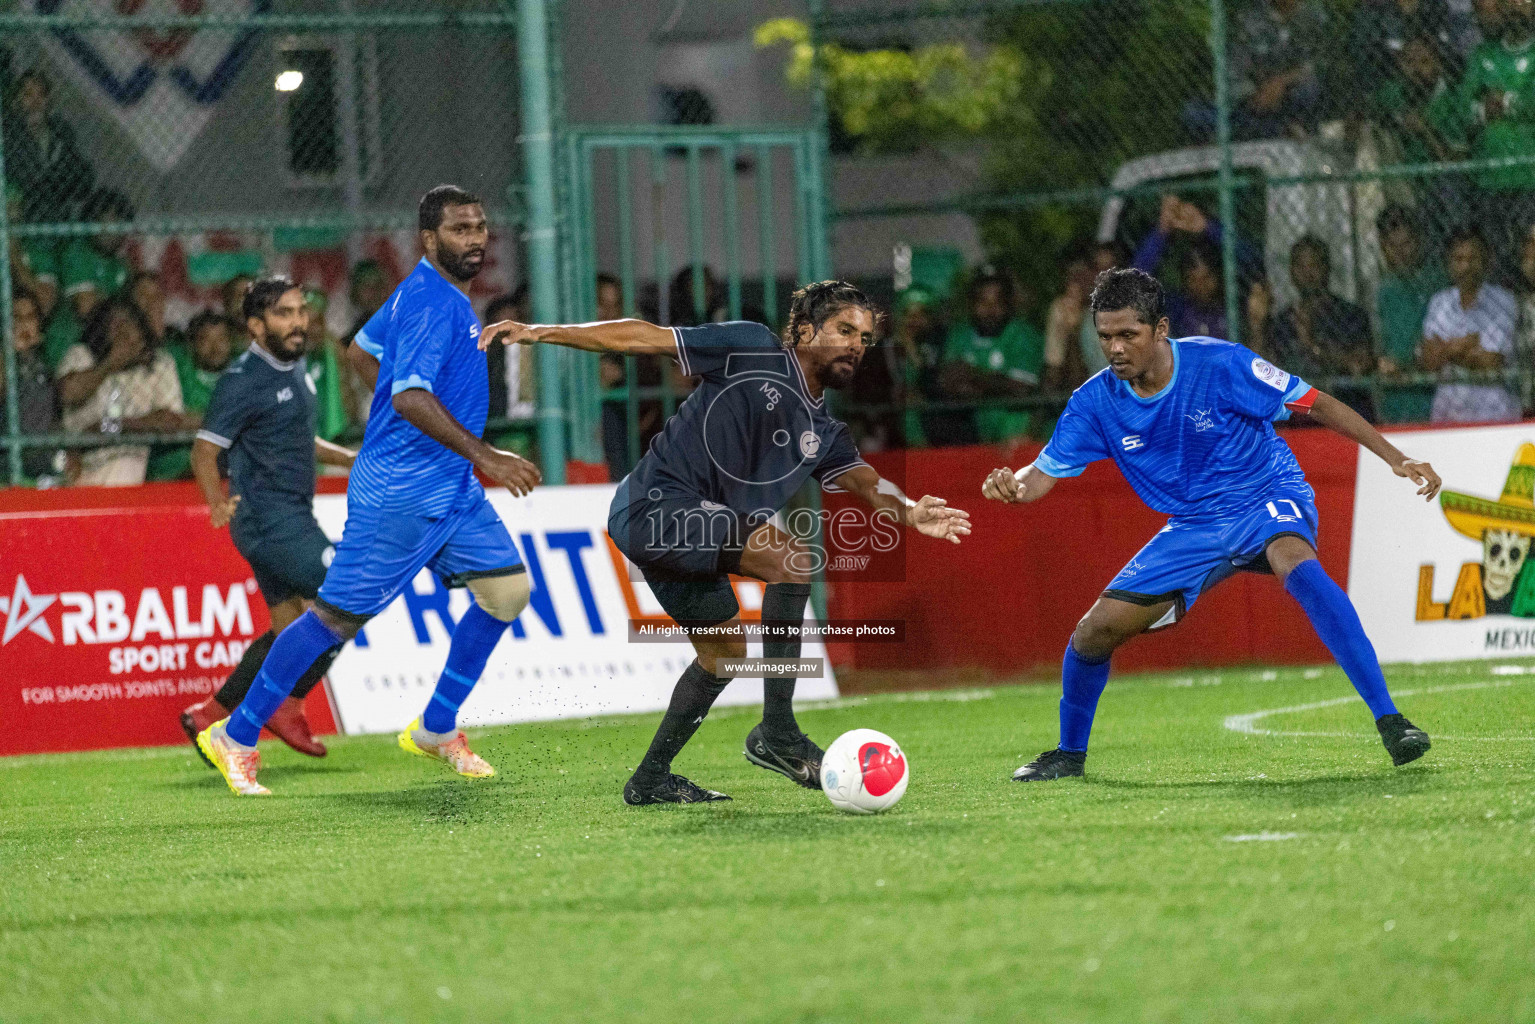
(1453, 309)
(96, 353)
(984, 358)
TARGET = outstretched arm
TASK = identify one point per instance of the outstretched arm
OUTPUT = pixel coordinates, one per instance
(930, 516)
(625, 337)
(1339, 418)
(1028, 484)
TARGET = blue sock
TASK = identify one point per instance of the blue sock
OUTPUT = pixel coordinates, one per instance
(294, 650)
(1333, 617)
(473, 639)
(1082, 683)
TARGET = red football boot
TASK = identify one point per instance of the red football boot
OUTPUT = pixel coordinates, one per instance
(197, 718)
(289, 725)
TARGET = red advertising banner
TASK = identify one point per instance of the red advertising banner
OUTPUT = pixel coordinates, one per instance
(118, 608)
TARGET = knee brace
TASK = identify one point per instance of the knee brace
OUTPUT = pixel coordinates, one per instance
(503, 597)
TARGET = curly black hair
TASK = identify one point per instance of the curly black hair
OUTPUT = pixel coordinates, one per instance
(1129, 288)
(812, 305)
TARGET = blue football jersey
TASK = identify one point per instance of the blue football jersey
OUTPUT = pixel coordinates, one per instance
(750, 434)
(1203, 445)
(425, 336)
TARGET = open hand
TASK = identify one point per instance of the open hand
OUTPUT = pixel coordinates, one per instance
(508, 332)
(511, 471)
(1001, 485)
(933, 517)
(223, 510)
(1419, 473)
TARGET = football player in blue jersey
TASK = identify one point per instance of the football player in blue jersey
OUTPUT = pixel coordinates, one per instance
(698, 506)
(1189, 421)
(413, 501)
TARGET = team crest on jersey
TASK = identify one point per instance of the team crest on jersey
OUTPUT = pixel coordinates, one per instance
(1270, 374)
(809, 444)
(1202, 420)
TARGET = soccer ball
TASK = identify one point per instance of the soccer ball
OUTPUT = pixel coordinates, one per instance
(864, 772)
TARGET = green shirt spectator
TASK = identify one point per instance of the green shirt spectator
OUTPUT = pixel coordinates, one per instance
(87, 275)
(1498, 93)
(324, 369)
(1408, 281)
(1017, 353)
(1402, 303)
(199, 364)
(91, 270)
(1422, 109)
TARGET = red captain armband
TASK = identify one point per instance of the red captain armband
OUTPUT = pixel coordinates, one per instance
(1304, 403)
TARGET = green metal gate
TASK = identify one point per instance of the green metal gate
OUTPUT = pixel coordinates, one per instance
(647, 203)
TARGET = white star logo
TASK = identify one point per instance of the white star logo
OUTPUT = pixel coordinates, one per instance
(26, 612)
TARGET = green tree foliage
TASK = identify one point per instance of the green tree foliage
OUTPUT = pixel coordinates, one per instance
(1054, 94)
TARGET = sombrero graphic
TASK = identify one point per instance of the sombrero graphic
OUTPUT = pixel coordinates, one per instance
(1514, 510)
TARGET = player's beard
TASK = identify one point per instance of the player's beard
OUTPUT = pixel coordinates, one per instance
(462, 266)
(290, 347)
(839, 373)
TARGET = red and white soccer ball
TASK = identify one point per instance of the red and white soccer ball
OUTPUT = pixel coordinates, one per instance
(864, 772)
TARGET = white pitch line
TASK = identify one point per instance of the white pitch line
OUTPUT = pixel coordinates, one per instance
(1248, 722)
(1262, 837)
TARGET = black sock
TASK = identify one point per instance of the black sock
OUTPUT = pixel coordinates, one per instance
(783, 606)
(694, 694)
(309, 680)
(239, 682)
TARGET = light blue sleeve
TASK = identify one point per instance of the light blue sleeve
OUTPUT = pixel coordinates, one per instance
(1260, 389)
(370, 337)
(421, 346)
(1076, 442)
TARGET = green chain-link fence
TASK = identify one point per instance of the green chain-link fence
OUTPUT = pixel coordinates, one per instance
(1319, 179)
(153, 161)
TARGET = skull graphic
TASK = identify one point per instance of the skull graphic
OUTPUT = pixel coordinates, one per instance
(1503, 554)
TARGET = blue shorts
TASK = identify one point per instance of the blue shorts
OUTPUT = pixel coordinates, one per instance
(686, 548)
(1193, 553)
(380, 552)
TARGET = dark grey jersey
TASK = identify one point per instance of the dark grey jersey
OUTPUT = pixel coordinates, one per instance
(262, 412)
(750, 434)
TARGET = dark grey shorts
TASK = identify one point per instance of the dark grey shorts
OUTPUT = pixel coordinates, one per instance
(686, 548)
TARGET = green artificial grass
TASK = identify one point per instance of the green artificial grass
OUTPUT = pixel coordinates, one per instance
(1197, 874)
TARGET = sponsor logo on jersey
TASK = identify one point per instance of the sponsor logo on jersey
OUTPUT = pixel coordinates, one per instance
(1132, 442)
(286, 395)
(1270, 374)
